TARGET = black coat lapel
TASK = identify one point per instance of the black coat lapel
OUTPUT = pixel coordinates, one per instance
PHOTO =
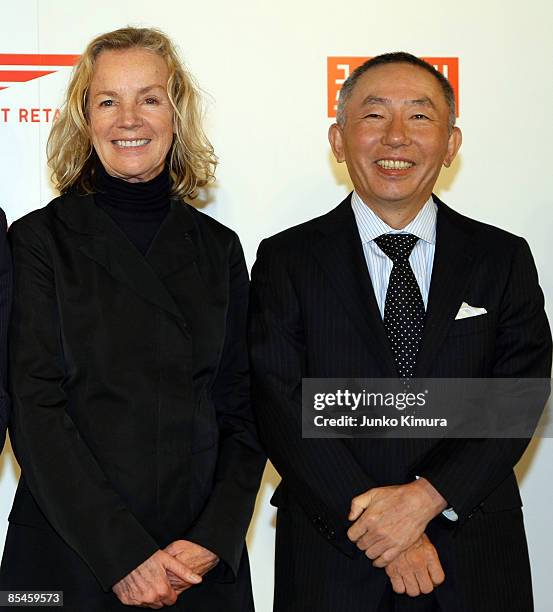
(190, 279)
(454, 262)
(174, 246)
(99, 238)
(340, 254)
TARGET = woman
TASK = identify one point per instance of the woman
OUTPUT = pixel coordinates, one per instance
(132, 426)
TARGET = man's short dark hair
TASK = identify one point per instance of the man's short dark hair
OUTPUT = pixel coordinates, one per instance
(399, 57)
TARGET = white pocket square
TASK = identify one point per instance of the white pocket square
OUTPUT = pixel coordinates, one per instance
(467, 311)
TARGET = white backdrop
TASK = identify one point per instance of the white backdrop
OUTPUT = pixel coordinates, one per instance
(263, 68)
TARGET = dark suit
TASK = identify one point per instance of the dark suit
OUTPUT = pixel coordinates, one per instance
(314, 314)
(131, 417)
(5, 304)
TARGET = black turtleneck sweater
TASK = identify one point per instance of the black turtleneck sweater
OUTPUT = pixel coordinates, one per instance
(138, 208)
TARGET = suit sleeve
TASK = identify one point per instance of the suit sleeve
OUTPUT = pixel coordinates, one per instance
(321, 475)
(224, 521)
(60, 470)
(6, 279)
(464, 471)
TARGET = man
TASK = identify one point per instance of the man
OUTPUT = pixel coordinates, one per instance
(373, 525)
(5, 302)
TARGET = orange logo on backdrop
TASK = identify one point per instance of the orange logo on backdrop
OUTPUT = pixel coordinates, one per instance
(339, 69)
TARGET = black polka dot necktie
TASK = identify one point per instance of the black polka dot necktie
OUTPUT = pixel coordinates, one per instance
(404, 309)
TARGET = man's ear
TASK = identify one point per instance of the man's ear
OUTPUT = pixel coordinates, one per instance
(336, 140)
(453, 146)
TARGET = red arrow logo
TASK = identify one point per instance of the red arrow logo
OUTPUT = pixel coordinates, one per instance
(28, 62)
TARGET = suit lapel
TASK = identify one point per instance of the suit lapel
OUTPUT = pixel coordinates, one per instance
(340, 254)
(339, 251)
(454, 262)
(100, 239)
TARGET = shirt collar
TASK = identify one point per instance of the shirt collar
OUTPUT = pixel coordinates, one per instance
(371, 226)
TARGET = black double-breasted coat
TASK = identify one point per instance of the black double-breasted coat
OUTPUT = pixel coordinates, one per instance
(131, 418)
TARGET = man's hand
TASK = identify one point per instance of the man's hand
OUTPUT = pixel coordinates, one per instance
(388, 520)
(148, 585)
(416, 570)
(196, 557)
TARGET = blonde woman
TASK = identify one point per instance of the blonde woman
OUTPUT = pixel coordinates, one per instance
(132, 424)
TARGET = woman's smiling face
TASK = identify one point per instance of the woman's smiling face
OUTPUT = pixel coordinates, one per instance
(129, 113)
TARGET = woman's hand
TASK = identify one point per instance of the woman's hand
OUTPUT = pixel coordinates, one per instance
(199, 559)
(148, 586)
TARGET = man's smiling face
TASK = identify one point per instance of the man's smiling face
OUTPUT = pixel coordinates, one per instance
(396, 135)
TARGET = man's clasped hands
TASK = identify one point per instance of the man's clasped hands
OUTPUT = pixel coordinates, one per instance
(389, 524)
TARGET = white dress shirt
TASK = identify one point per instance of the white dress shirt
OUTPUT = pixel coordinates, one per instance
(370, 226)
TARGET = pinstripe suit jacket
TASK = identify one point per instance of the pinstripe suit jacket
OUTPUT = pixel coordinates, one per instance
(313, 313)
(5, 303)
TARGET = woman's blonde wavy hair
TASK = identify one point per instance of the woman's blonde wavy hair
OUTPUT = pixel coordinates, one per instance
(191, 159)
